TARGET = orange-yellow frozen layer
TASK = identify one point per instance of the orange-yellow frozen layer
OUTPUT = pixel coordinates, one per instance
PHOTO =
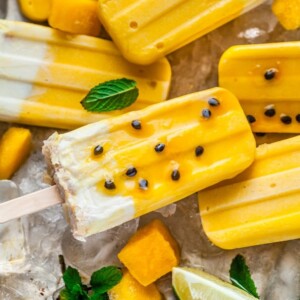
(147, 30)
(79, 16)
(265, 78)
(287, 13)
(120, 168)
(35, 10)
(259, 206)
(46, 73)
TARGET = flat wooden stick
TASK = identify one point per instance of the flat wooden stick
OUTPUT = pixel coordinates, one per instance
(29, 204)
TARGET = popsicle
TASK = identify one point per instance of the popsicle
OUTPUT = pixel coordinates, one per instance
(144, 31)
(35, 10)
(120, 168)
(287, 13)
(46, 73)
(265, 78)
(259, 206)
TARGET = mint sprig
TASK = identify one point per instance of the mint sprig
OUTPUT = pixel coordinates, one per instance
(101, 282)
(111, 95)
(240, 276)
(105, 279)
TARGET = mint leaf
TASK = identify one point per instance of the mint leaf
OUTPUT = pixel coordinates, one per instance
(111, 95)
(105, 279)
(71, 278)
(79, 292)
(66, 295)
(240, 276)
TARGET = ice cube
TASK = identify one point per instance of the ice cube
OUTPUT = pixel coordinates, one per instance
(12, 243)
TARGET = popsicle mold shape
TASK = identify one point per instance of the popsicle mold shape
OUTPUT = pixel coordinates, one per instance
(265, 78)
(144, 31)
(46, 73)
(259, 206)
(120, 168)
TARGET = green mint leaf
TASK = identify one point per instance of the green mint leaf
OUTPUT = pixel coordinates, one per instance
(111, 95)
(71, 278)
(66, 295)
(99, 296)
(77, 290)
(105, 279)
(240, 276)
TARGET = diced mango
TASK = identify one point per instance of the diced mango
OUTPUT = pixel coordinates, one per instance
(151, 253)
(35, 10)
(75, 16)
(15, 146)
(130, 289)
(288, 13)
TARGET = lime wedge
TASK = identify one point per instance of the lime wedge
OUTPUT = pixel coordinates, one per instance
(194, 284)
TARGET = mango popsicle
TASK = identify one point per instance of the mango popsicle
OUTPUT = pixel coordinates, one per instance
(46, 73)
(265, 78)
(120, 168)
(144, 31)
(259, 206)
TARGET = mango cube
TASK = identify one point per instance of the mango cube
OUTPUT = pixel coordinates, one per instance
(287, 13)
(75, 16)
(151, 253)
(130, 289)
(15, 146)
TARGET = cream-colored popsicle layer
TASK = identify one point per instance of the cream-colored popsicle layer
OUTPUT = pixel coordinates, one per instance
(170, 152)
(146, 30)
(266, 79)
(45, 74)
(259, 206)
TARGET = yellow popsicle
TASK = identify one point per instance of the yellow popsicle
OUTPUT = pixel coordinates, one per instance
(265, 78)
(120, 168)
(259, 206)
(36, 10)
(46, 73)
(146, 30)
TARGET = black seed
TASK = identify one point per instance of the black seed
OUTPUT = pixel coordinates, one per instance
(251, 119)
(143, 183)
(270, 112)
(206, 113)
(136, 124)
(213, 102)
(98, 150)
(286, 119)
(159, 147)
(175, 175)
(199, 150)
(131, 172)
(270, 74)
(298, 118)
(109, 185)
(260, 133)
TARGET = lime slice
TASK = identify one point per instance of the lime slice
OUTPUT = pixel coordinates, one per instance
(194, 284)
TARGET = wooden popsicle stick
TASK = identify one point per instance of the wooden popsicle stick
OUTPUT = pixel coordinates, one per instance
(29, 204)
